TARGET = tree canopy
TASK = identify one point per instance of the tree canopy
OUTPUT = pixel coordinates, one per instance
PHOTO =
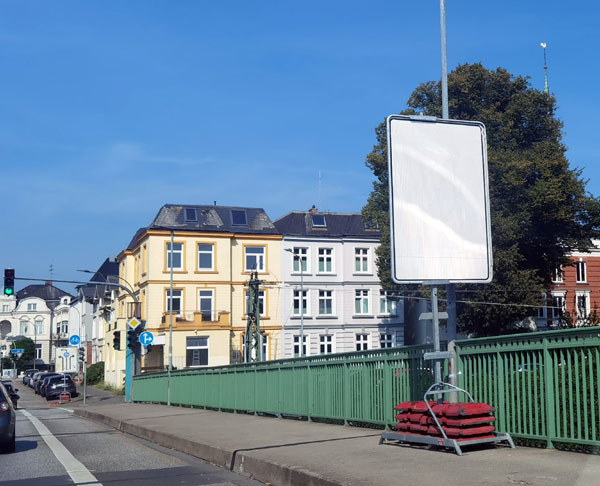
(540, 210)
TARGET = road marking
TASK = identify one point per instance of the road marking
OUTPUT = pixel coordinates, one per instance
(77, 471)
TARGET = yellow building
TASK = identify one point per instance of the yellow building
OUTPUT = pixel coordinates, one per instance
(209, 252)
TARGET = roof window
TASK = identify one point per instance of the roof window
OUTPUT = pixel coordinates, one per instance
(190, 214)
(238, 217)
(318, 221)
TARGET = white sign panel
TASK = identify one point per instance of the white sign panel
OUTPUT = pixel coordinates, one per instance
(439, 201)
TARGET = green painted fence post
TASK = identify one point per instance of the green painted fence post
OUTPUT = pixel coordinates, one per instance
(549, 386)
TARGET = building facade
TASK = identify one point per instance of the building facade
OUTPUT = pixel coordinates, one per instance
(209, 253)
(331, 296)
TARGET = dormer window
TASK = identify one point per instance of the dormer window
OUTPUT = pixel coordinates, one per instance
(318, 221)
(190, 214)
(238, 217)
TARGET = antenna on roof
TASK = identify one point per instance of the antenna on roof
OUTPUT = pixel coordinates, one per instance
(51, 271)
(543, 44)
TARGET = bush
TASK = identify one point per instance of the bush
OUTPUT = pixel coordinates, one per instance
(95, 373)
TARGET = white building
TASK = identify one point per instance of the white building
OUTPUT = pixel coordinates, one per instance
(331, 288)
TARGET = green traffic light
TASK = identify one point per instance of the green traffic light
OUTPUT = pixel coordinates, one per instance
(9, 291)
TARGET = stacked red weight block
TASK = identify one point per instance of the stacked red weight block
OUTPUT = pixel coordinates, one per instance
(460, 421)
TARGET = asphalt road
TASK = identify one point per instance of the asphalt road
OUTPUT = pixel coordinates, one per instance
(56, 447)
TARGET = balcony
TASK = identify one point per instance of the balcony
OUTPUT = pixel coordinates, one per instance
(197, 319)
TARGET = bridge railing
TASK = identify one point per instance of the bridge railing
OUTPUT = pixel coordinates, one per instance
(359, 387)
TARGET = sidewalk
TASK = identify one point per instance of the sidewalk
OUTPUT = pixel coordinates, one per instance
(285, 452)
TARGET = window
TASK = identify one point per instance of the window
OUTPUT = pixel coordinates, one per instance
(558, 304)
(297, 345)
(39, 328)
(24, 327)
(387, 306)
(38, 351)
(238, 217)
(325, 260)
(558, 275)
(582, 304)
(297, 302)
(361, 260)
(362, 342)
(300, 255)
(254, 258)
(176, 301)
(581, 272)
(206, 256)
(175, 256)
(325, 343)
(196, 351)
(386, 340)
(205, 304)
(361, 302)
(190, 214)
(5, 308)
(31, 307)
(265, 347)
(261, 302)
(325, 302)
(62, 327)
(318, 221)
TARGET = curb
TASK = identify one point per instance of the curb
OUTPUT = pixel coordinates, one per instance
(237, 461)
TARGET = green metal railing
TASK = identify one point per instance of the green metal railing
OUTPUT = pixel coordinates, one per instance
(358, 387)
(543, 385)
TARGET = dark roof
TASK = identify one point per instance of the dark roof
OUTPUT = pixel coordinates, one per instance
(336, 225)
(214, 219)
(48, 292)
(108, 270)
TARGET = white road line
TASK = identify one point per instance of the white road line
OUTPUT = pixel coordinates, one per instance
(78, 472)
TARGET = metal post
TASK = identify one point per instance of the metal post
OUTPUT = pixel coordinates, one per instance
(301, 306)
(436, 333)
(170, 369)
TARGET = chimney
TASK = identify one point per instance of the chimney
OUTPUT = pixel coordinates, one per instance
(313, 210)
(48, 282)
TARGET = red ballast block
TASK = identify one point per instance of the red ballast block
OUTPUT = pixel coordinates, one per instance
(404, 427)
(466, 422)
(462, 409)
(405, 406)
(421, 407)
(468, 431)
(403, 417)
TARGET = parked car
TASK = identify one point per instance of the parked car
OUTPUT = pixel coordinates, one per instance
(37, 380)
(28, 374)
(57, 385)
(7, 421)
(11, 391)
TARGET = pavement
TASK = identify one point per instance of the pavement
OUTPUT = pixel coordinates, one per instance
(290, 452)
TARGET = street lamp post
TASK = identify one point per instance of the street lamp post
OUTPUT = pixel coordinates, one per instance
(298, 257)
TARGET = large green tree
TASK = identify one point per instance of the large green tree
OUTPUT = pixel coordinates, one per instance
(540, 210)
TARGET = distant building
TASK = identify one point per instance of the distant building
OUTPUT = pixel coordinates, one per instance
(39, 312)
(330, 282)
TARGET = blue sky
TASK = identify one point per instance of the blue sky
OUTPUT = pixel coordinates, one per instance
(110, 109)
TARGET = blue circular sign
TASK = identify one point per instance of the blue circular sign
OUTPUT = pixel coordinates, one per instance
(146, 338)
(74, 340)
(66, 354)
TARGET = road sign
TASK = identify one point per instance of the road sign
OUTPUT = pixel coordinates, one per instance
(17, 351)
(19, 355)
(439, 202)
(146, 338)
(66, 354)
(134, 322)
(74, 340)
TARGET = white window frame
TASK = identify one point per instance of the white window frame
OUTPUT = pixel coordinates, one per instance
(262, 302)
(326, 295)
(300, 254)
(541, 312)
(562, 304)
(259, 257)
(387, 307)
(296, 345)
(171, 255)
(38, 327)
(210, 297)
(387, 339)
(362, 341)
(325, 256)
(362, 298)
(362, 259)
(5, 307)
(296, 302)
(38, 351)
(198, 347)
(581, 271)
(175, 297)
(558, 275)
(23, 327)
(586, 295)
(31, 307)
(205, 252)
(326, 344)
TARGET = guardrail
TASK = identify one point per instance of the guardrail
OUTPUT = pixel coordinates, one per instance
(358, 387)
(543, 385)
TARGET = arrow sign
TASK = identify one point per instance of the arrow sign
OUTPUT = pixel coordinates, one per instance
(17, 351)
(66, 354)
(146, 338)
(74, 340)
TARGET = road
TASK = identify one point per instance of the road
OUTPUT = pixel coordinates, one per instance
(55, 447)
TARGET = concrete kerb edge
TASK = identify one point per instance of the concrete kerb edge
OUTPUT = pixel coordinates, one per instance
(261, 470)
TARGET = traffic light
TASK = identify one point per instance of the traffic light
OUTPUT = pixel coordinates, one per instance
(9, 281)
(132, 339)
(117, 340)
(81, 354)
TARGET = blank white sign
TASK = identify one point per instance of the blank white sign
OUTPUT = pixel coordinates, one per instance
(439, 201)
